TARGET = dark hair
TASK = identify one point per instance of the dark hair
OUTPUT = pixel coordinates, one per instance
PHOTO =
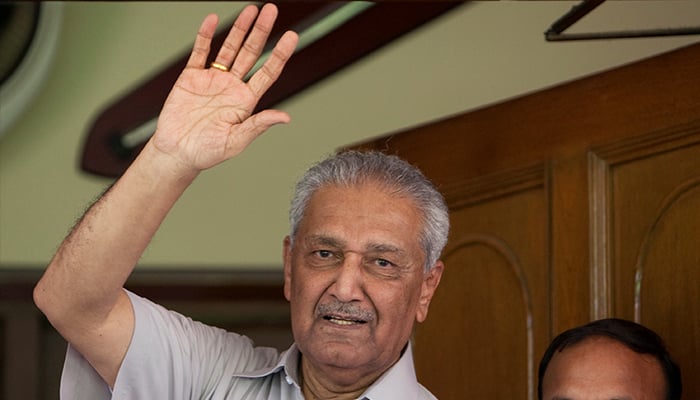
(633, 335)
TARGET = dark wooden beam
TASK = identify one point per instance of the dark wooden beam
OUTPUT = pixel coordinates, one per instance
(104, 152)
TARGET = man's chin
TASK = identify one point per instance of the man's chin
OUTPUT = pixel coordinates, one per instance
(343, 366)
(340, 354)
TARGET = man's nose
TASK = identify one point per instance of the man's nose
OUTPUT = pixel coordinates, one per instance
(349, 281)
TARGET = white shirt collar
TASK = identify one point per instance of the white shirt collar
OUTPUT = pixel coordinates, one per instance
(398, 382)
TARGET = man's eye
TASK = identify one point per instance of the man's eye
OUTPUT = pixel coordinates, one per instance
(324, 253)
(383, 263)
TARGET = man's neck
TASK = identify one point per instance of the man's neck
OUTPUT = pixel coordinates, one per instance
(316, 386)
(311, 394)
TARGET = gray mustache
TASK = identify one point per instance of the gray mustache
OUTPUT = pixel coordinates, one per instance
(348, 311)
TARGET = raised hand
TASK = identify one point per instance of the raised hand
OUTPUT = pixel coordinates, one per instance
(207, 117)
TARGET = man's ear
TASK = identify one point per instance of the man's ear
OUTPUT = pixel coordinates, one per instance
(431, 280)
(287, 260)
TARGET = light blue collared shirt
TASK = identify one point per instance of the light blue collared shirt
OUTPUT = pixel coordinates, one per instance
(172, 357)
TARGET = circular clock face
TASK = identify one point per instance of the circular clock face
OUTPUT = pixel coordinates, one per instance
(28, 36)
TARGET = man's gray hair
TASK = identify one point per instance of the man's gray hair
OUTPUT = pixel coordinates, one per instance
(351, 168)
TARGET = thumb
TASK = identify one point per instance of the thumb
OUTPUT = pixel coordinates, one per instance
(256, 125)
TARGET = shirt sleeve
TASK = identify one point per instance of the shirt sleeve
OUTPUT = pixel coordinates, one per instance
(80, 381)
(170, 356)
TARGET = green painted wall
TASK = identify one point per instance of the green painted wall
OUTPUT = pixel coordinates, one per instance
(235, 216)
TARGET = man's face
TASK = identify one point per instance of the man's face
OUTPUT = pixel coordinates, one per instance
(355, 280)
(601, 368)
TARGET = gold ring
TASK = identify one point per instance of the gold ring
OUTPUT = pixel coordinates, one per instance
(220, 67)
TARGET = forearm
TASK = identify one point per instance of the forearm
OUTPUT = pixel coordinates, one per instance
(207, 119)
(86, 275)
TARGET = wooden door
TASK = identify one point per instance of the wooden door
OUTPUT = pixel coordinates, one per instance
(574, 203)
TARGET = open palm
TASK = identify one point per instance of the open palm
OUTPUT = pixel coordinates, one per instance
(207, 117)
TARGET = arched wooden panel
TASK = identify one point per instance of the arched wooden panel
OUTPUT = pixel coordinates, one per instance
(489, 278)
(485, 300)
(668, 279)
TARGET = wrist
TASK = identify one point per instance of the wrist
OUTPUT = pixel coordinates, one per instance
(160, 168)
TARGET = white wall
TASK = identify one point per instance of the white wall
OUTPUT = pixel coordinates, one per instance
(235, 216)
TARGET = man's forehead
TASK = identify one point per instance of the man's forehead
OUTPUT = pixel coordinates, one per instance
(602, 368)
(368, 183)
(339, 242)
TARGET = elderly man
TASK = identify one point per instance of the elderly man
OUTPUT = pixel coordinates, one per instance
(361, 263)
(608, 359)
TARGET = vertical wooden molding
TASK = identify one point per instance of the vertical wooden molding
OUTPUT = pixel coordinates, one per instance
(598, 182)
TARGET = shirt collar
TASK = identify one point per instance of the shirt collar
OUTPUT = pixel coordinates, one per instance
(288, 361)
(398, 382)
